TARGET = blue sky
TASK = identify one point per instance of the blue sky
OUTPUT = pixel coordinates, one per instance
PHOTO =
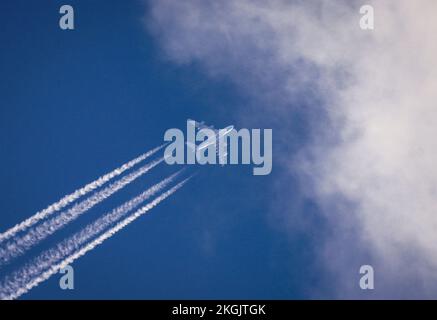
(76, 104)
(353, 118)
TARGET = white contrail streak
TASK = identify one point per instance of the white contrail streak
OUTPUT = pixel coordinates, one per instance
(66, 200)
(20, 244)
(66, 252)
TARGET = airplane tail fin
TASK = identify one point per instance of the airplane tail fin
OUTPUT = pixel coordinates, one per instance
(201, 124)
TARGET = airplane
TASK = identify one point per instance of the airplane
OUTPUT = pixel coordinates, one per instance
(218, 134)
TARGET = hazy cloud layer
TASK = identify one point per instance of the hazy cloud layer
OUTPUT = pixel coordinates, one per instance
(371, 159)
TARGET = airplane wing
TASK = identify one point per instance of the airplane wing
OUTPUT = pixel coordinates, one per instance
(202, 125)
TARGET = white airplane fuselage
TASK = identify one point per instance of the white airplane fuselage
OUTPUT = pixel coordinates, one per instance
(219, 134)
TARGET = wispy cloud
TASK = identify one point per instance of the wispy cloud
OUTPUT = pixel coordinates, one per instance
(370, 160)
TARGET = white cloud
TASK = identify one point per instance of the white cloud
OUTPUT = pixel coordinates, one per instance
(378, 151)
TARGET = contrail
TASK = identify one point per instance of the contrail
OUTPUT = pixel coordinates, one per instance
(66, 200)
(17, 246)
(66, 252)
